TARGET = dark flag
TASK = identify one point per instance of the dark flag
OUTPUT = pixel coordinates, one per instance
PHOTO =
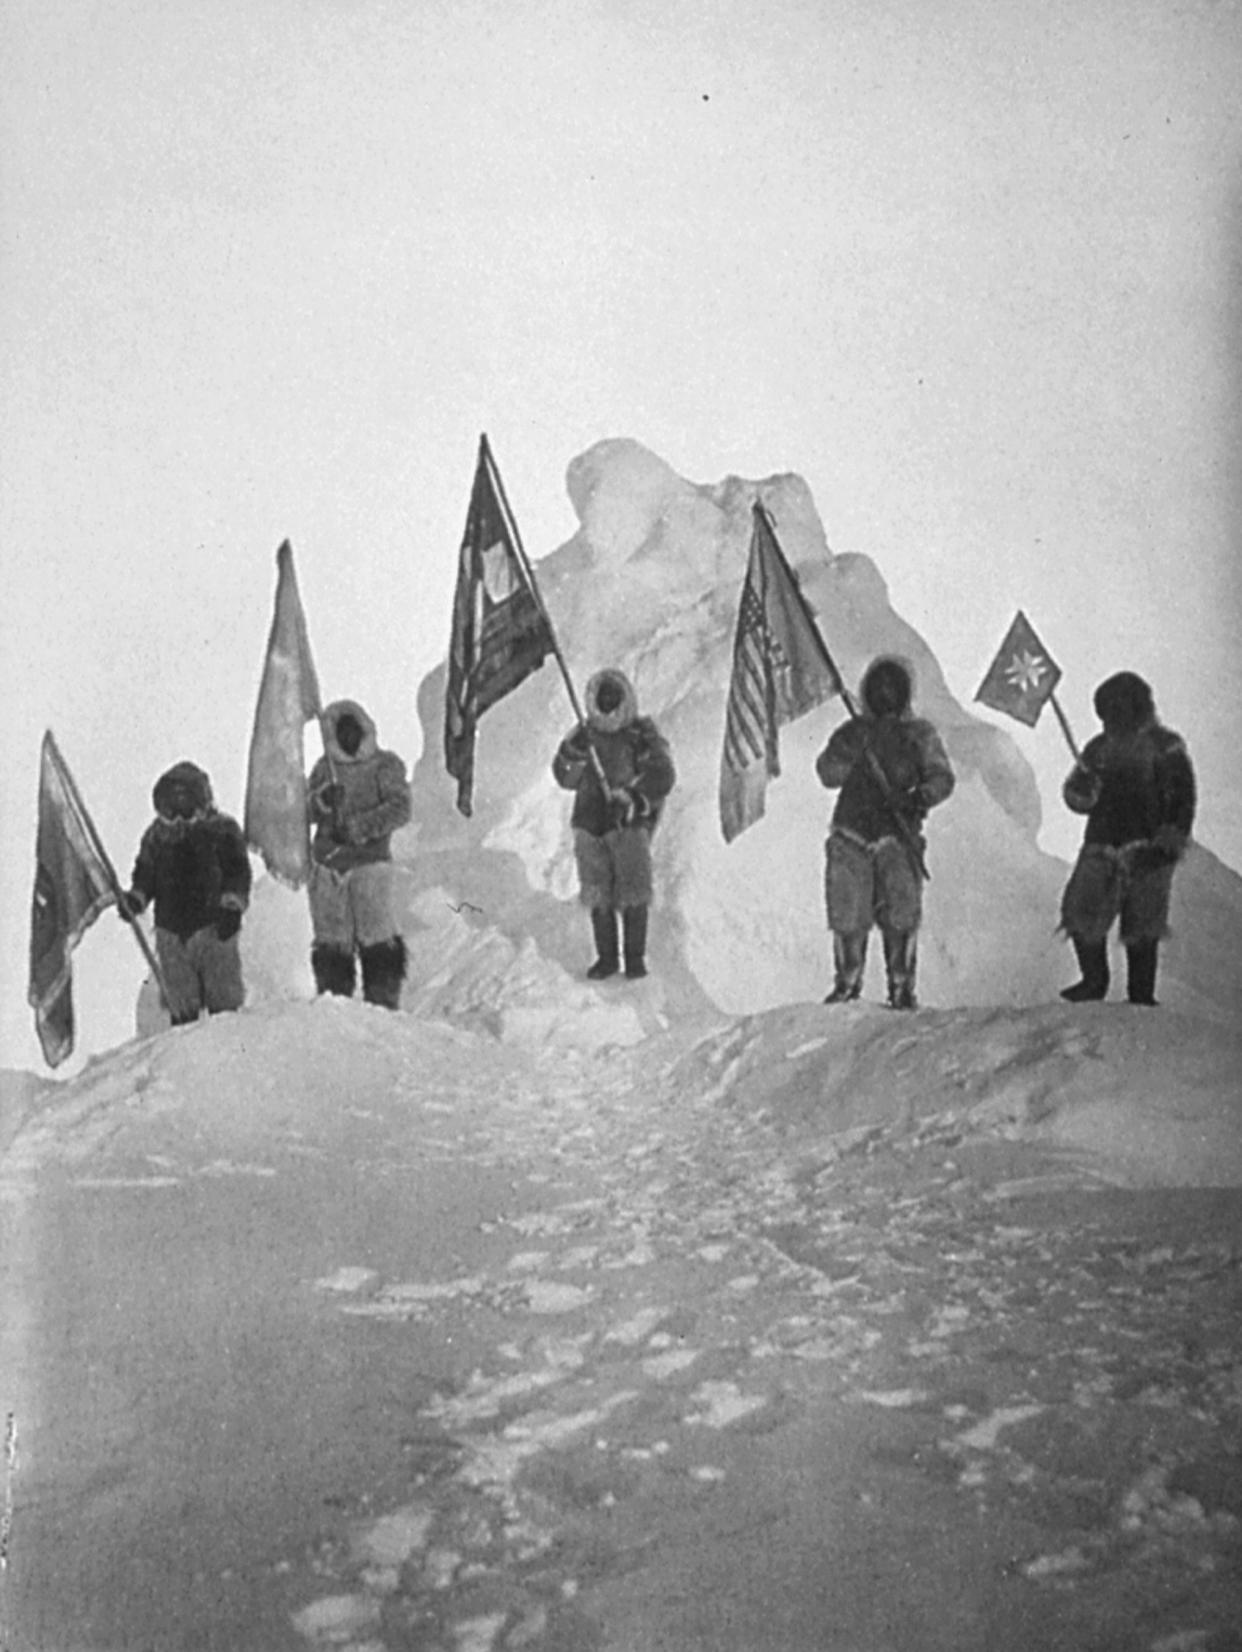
(500, 631)
(73, 884)
(276, 823)
(781, 670)
(1021, 679)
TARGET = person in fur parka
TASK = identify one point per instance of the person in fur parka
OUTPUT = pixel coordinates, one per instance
(613, 821)
(358, 798)
(192, 863)
(870, 874)
(1136, 785)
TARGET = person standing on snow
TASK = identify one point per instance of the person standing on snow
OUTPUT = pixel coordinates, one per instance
(358, 797)
(192, 863)
(1136, 786)
(887, 763)
(613, 822)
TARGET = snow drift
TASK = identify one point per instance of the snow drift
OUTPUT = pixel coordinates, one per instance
(650, 582)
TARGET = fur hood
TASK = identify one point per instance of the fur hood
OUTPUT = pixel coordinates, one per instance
(331, 717)
(898, 664)
(195, 782)
(1124, 703)
(608, 722)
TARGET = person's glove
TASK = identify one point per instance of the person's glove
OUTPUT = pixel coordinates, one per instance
(228, 922)
(329, 797)
(129, 904)
(1168, 844)
(576, 747)
(912, 804)
(627, 807)
(1084, 786)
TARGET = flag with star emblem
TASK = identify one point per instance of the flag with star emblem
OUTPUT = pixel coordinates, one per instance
(781, 670)
(500, 631)
(73, 884)
(1021, 679)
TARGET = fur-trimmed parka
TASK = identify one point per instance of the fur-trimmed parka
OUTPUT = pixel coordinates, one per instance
(1134, 782)
(908, 749)
(634, 755)
(356, 802)
(193, 865)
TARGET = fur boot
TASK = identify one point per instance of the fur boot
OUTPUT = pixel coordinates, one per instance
(1093, 962)
(849, 959)
(333, 968)
(901, 961)
(1142, 958)
(607, 955)
(634, 923)
(383, 972)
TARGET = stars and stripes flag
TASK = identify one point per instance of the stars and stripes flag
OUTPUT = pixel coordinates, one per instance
(276, 821)
(73, 884)
(500, 631)
(781, 670)
(1021, 679)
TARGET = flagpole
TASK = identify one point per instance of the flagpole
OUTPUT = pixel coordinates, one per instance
(529, 575)
(96, 842)
(1065, 728)
(873, 762)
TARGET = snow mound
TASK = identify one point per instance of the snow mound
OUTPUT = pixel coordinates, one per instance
(650, 582)
(1136, 1097)
(1129, 1097)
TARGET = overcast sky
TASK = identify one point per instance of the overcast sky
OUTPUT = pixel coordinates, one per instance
(972, 267)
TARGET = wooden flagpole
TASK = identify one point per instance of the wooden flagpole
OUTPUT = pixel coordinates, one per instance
(1065, 728)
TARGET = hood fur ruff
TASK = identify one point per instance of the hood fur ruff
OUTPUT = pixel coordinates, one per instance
(608, 722)
(907, 670)
(190, 776)
(332, 715)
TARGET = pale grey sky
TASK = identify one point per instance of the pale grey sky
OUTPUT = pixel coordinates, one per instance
(267, 268)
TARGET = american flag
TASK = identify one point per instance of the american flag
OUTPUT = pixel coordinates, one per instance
(781, 670)
(1021, 679)
(500, 631)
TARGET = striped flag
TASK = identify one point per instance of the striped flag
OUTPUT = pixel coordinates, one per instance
(781, 670)
(73, 884)
(500, 631)
(1021, 679)
(276, 821)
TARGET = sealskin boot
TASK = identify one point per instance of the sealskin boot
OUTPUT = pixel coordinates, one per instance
(1093, 962)
(607, 958)
(333, 968)
(1141, 960)
(849, 958)
(901, 959)
(383, 972)
(634, 926)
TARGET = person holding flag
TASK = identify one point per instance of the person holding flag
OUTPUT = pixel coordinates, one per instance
(358, 796)
(620, 769)
(891, 768)
(192, 863)
(1136, 785)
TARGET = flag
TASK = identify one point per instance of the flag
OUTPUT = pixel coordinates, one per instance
(1021, 679)
(500, 631)
(781, 670)
(73, 884)
(276, 821)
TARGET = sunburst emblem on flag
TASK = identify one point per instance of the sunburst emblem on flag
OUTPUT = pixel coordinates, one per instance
(1026, 671)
